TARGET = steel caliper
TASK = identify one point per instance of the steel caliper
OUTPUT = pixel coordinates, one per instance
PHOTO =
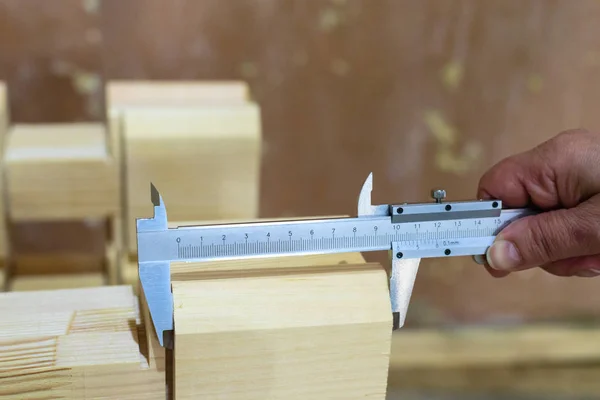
(408, 231)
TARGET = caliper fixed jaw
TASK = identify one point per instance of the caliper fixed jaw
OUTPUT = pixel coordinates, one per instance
(155, 277)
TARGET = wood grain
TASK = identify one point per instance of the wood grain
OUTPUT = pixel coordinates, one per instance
(74, 344)
(59, 171)
(204, 160)
(285, 333)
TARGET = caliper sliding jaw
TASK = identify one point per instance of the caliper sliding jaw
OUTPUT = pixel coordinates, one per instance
(403, 271)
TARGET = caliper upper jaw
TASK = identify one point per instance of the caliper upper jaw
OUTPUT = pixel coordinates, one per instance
(155, 277)
(365, 207)
(402, 280)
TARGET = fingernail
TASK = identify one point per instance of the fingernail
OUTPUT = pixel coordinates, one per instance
(503, 255)
(588, 273)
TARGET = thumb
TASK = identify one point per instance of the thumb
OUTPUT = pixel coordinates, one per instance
(547, 237)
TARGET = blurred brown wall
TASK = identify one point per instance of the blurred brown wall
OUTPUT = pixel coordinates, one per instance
(421, 93)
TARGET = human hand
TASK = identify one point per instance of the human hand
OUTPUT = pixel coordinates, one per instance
(562, 178)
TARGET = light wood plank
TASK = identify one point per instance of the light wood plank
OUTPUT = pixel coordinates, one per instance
(204, 160)
(59, 171)
(4, 124)
(122, 94)
(497, 346)
(297, 327)
(74, 344)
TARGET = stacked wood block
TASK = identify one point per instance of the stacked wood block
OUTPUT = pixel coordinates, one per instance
(60, 172)
(198, 143)
(75, 344)
(4, 121)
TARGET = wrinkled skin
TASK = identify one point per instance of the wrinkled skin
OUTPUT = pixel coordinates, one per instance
(561, 177)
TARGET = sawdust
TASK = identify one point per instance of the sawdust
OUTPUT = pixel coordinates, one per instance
(447, 158)
(444, 133)
(248, 69)
(452, 75)
(535, 83)
(91, 6)
(329, 19)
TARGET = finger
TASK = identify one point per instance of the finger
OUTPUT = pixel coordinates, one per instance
(496, 273)
(480, 259)
(547, 237)
(560, 172)
(586, 266)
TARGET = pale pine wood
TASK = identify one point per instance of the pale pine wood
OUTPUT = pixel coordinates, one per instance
(493, 347)
(74, 344)
(548, 359)
(204, 160)
(117, 233)
(191, 271)
(57, 281)
(4, 123)
(122, 94)
(282, 331)
(59, 171)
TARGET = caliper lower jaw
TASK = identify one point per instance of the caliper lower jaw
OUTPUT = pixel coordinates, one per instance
(155, 277)
(402, 279)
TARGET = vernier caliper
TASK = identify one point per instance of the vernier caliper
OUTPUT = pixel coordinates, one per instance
(408, 231)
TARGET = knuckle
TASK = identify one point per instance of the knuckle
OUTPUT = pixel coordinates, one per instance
(540, 245)
(585, 227)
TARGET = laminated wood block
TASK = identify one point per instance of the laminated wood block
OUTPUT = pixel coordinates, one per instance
(204, 160)
(295, 328)
(75, 344)
(59, 172)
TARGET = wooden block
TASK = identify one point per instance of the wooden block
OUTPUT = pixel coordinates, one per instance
(544, 359)
(494, 347)
(58, 281)
(292, 332)
(183, 271)
(59, 171)
(74, 344)
(4, 121)
(122, 94)
(204, 160)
